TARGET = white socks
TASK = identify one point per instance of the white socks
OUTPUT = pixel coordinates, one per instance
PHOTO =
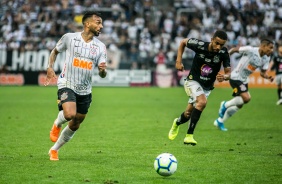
(60, 119)
(231, 108)
(236, 101)
(229, 112)
(64, 137)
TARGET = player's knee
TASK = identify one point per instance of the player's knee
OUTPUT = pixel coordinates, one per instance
(246, 100)
(69, 115)
(201, 104)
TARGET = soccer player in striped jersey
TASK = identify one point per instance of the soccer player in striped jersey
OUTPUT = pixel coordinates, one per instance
(208, 60)
(83, 53)
(276, 64)
(253, 58)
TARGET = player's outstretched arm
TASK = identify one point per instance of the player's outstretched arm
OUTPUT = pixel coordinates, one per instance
(233, 50)
(271, 64)
(50, 71)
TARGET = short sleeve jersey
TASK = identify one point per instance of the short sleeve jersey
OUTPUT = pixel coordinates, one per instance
(81, 59)
(277, 60)
(206, 64)
(249, 62)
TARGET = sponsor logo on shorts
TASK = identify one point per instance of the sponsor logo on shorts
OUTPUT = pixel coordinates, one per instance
(235, 90)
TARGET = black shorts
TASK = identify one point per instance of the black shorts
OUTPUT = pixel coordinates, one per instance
(82, 101)
(238, 87)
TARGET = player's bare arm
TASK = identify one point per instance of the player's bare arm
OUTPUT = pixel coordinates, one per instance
(223, 77)
(178, 64)
(50, 71)
(233, 50)
(270, 66)
(264, 74)
(102, 70)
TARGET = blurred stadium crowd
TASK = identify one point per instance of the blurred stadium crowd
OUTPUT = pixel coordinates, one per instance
(139, 34)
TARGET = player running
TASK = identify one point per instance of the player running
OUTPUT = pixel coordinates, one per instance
(253, 58)
(83, 53)
(209, 57)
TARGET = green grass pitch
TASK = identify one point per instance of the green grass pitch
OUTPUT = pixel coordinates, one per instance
(126, 128)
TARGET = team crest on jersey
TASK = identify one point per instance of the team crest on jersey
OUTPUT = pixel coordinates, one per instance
(64, 96)
(93, 49)
(215, 59)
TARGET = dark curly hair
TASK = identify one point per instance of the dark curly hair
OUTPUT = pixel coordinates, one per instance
(90, 14)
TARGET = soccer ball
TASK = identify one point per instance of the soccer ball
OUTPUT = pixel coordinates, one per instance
(165, 164)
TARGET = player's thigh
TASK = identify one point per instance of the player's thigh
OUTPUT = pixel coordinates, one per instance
(238, 87)
(195, 91)
(83, 103)
(67, 102)
(193, 88)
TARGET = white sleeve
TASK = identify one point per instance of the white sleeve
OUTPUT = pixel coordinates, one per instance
(61, 44)
(103, 55)
(245, 49)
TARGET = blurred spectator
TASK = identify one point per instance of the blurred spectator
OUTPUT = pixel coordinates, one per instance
(139, 29)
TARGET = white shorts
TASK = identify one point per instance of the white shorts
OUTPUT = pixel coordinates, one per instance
(194, 89)
(278, 79)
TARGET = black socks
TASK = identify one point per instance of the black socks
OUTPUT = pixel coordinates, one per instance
(182, 119)
(195, 116)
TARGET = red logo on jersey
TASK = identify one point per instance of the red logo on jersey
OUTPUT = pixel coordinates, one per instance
(82, 64)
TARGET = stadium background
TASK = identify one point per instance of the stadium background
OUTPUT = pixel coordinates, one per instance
(142, 36)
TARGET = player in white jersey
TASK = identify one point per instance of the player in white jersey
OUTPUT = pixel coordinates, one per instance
(252, 58)
(83, 53)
